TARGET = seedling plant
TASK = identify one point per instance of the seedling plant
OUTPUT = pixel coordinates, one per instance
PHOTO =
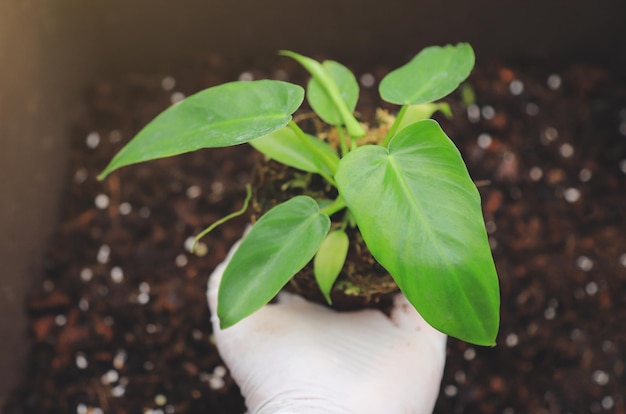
(410, 194)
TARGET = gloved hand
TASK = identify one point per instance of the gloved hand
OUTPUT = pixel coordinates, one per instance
(300, 357)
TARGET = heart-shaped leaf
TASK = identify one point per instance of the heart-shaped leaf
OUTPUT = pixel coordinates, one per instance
(429, 76)
(321, 102)
(329, 260)
(420, 215)
(281, 243)
(286, 147)
(225, 115)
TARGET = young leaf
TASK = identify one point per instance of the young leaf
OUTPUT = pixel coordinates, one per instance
(286, 147)
(321, 102)
(420, 215)
(281, 243)
(432, 74)
(419, 112)
(332, 90)
(225, 115)
(329, 260)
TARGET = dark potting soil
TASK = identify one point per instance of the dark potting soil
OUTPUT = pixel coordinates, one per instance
(362, 283)
(119, 322)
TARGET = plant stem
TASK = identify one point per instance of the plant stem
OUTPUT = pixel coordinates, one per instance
(337, 205)
(347, 220)
(395, 126)
(224, 219)
(316, 152)
(342, 141)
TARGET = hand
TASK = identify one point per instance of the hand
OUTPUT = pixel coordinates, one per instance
(300, 357)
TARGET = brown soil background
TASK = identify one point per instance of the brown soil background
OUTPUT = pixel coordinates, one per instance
(119, 322)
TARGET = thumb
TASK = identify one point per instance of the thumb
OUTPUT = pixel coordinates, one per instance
(405, 317)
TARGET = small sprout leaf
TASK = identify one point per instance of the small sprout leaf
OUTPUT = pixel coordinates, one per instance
(221, 116)
(423, 111)
(281, 243)
(329, 260)
(468, 96)
(432, 74)
(416, 200)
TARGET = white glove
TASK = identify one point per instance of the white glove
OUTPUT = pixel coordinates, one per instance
(300, 357)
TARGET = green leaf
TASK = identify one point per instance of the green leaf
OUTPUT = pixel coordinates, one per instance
(419, 112)
(281, 243)
(332, 90)
(329, 260)
(468, 96)
(225, 115)
(420, 215)
(286, 147)
(321, 102)
(429, 76)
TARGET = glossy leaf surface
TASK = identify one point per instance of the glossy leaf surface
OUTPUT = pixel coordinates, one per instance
(329, 260)
(332, 90)
(432, 74)
(281, 243)
(225, 115)
(420, 215)
(286, 147)
(321, 102)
